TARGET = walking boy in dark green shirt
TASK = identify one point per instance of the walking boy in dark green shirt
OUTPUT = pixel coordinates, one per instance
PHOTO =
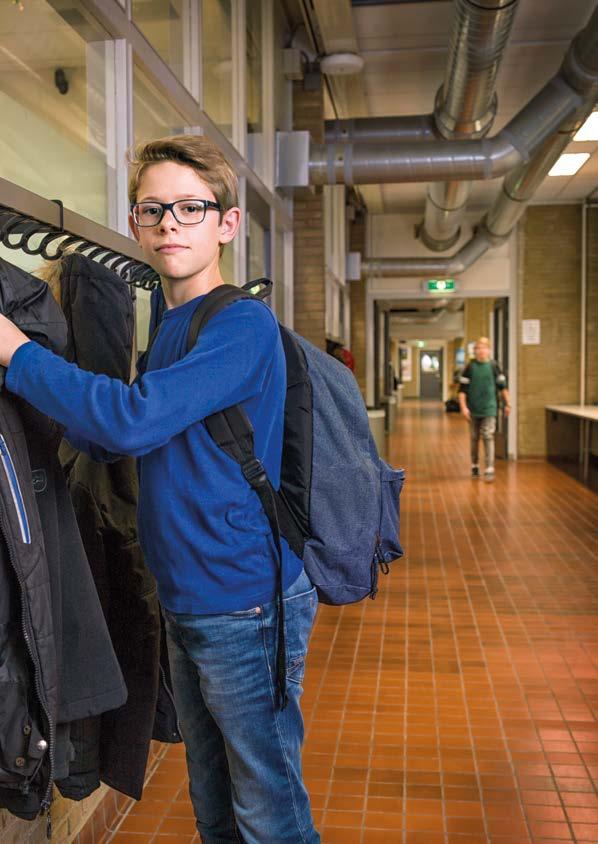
(480, 383)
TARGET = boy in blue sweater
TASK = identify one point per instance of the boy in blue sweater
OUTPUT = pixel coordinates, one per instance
(203, 531)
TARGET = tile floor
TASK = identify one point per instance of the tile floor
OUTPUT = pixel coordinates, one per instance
(459, 706)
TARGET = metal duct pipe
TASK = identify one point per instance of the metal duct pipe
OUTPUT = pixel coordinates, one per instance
(580, 67)
(381, 130)
(442, 267)
(427, 161)
(466, 105)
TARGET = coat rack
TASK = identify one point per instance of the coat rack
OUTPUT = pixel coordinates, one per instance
(37, 226)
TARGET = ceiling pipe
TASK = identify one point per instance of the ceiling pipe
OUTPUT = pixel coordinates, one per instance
(580, 69)
(427, 161)
(381, 130)
(466, 105)
(453, 265)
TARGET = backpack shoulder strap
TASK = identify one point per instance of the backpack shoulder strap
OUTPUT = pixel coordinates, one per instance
(214, 302)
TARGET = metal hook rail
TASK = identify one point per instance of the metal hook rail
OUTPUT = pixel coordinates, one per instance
(37, 226)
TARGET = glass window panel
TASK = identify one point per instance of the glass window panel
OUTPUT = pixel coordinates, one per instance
(217, 50)
(279, 278)
(227, 264)
(256, 251)
(162, 22)
(153, 116)
(255, 129)
(53, 101)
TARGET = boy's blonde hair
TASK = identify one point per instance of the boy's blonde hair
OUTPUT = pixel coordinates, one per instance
(195, 151)
(483, 341)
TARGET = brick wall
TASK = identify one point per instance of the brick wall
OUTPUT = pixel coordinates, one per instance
(549, 290)
(308, 229)
(477, 319)
(357, 293)
(592, 310)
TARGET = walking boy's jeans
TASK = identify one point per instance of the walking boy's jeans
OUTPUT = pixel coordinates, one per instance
(243, 751)
(486, 426)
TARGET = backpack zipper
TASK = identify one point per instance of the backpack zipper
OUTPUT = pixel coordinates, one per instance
(378, 564)
(15, 491)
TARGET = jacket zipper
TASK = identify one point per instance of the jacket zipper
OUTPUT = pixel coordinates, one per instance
(26, 625)
(15, 491)
(171, 697)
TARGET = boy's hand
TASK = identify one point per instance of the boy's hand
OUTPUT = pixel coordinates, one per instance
(11, 338)
(466, 413)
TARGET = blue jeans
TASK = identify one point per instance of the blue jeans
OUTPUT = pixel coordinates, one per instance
(243, 751)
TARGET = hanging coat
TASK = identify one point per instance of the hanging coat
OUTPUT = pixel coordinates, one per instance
(57, 662)
(114, 748)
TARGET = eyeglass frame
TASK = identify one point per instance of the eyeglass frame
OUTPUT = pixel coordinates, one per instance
(169, 206)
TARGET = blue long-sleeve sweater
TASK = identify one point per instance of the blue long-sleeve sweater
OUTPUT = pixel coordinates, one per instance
(202, 529)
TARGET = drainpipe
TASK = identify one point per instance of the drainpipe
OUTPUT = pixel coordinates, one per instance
(466, 105)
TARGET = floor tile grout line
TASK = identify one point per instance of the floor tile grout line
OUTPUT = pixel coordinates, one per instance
(532, 718)
(386, 594)
(344, 710)
(461, 678)
(533, 649)
(434, 685)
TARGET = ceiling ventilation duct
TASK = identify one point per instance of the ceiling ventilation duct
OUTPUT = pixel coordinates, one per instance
(580, 70)
(427, 161)
(466, 104)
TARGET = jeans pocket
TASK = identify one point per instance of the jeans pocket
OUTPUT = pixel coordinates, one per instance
(300, 612)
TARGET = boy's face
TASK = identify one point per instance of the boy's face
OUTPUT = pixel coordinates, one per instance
(482, 352)
(178, 252)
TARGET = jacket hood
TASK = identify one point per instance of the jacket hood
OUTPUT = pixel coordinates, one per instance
(29, 303)
(98, 308)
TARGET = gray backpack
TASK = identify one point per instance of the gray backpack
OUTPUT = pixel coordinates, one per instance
(338, 502)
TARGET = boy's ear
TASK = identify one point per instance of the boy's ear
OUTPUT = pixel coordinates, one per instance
(134, 228)
(229, 225)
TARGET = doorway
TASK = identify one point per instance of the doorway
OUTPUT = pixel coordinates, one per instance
(430, 374)
(500, 353)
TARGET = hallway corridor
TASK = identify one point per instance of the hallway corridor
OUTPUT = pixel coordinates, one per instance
(459, 706)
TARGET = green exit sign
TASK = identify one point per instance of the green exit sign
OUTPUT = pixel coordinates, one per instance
(441, 285)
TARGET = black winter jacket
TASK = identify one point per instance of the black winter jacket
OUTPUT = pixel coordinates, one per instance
(114, 747)
(57, 663)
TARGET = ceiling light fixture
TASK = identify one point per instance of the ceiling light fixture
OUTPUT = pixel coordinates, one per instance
(589, 130)
(569, 163)
(341, 64)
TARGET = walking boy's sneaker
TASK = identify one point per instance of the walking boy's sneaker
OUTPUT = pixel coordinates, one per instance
(489, 475)
(475, 471)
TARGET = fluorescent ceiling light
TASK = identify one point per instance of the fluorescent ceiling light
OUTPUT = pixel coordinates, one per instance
(589, 130)
(569, 163)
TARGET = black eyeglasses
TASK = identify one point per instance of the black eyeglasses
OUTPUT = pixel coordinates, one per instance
(187, 212)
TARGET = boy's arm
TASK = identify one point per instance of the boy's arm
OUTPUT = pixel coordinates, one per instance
(464, 381)
(227, 366)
